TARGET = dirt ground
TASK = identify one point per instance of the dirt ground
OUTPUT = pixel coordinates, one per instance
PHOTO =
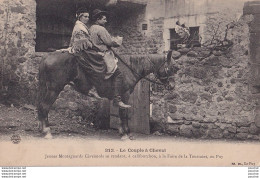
(23, 121)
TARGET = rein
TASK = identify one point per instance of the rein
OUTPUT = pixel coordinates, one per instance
(150, 80)
(132, 70)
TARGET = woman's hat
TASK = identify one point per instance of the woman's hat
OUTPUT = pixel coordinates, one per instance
(82, 10)
(97, 12)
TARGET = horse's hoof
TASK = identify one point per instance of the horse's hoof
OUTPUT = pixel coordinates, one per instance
(125, 137)
(48, 136)
(40, 127)
(47, 132)
(131, 137)
(121, 131)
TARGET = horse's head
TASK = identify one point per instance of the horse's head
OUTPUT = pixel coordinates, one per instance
(166, 70)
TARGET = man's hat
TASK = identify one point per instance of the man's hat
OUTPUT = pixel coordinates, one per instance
(97, 12)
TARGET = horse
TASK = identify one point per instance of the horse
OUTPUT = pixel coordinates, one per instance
(61, 68)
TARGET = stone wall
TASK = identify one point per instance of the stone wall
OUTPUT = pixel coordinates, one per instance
(252, 8)
(137, 41)
(18, 60)
(211, 98)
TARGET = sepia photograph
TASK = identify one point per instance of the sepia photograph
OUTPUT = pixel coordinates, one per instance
(130, 83)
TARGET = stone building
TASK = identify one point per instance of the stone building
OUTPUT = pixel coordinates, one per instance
(215, 95)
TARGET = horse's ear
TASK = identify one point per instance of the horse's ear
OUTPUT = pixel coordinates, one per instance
(171, 61)
(169, 57)
(172, 56)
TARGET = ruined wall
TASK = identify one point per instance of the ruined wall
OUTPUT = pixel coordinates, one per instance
(211, 98)
(196, 13)
(18, 60)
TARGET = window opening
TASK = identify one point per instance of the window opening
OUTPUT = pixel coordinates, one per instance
(194, 39)
(54, 24)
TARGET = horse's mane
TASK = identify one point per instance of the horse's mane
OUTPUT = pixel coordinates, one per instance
(144, 60)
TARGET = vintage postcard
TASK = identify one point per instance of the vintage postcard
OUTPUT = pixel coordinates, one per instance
(130, 83)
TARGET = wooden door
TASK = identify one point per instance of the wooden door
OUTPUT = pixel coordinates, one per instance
(140, 111)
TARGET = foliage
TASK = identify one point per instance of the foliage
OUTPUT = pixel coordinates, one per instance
(218, 27)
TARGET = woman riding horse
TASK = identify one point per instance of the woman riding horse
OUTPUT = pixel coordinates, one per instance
(80, 38)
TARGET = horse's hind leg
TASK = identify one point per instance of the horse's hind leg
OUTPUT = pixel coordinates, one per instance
(54, 73)
(43, 110)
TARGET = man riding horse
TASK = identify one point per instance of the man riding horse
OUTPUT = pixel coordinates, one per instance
(103, 42)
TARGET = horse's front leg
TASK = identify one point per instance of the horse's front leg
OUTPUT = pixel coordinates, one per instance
(44, 125)
(124, 129)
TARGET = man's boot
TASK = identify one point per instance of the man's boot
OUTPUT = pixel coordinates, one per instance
(118, 81)
(119, 102)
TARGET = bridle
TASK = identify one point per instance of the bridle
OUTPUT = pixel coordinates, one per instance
(166, 69)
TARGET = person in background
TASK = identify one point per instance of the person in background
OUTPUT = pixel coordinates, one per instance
(183, 32)
(186, 29)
